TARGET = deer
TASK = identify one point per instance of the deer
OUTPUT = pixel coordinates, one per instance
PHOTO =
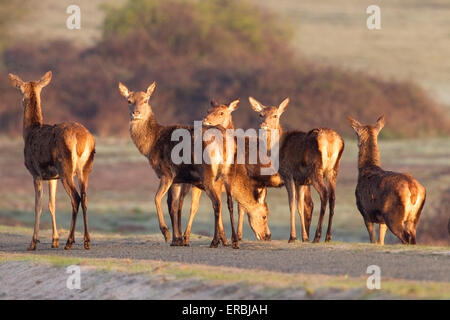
(393, 200)
(305, 158)
(53, 152)
(217, 115)
(154, 141)
(220, 114)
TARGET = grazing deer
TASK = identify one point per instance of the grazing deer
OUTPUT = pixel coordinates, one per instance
(55, 152)
(154, 141)
(219, 115)
(305, 158)
(394, 200)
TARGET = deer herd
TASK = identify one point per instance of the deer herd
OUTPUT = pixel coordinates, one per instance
(63, 151)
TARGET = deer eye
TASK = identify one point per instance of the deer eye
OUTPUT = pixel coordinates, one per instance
(264, 217)
(274, 116)
(130, 102)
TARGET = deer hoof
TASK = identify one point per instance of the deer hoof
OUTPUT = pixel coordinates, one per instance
(292, 239)
(87, 244)
(177, 242)
(32, 246)
(69, 245)
(328, 238)
(186, 241)
(305, 240)
(165, 231)
(55, 243)
(214, 244)
(235, 245)
(316, 240)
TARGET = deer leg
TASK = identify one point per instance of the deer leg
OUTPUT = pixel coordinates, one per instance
(383, 229)
(173, 202)
(37, 212)
(323, 193)
(195, 200)
(69, 186)
(300, 208)
(309, 207)
(184, 191)
(241, 214)
(217, 206)
(332, 201)
(234, 236)
(52, 184)
(290, 187)
(164, 186)
(84, 202)
(369, 226)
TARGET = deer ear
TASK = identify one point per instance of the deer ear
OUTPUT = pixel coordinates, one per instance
(234, 105)
(283, 105)
(354, 123)
(45, 80)
(124, 90)
(380, 123)
(16, 81)
(255, 104)
(151, 88)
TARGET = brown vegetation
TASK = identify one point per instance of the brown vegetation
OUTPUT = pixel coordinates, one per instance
(202, 50)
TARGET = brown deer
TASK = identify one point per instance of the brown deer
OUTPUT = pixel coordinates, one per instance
(394, 200)
(54, 152)
(220, 114)
(305, 158)
(154, 141)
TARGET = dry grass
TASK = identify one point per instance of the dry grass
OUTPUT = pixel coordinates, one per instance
(413, 42)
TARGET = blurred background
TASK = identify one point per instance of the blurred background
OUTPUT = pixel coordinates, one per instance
(318, 53)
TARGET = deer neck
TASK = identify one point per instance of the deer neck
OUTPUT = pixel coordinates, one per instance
(273, 140)
(33, 113)
(369, 155)
(144, 134)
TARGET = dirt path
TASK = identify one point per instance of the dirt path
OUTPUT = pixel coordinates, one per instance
(399, 262)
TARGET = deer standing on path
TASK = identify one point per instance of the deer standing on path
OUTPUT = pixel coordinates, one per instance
(54, 152)
(305, 158)
(394, 200)
(155, 142)
(220, 115)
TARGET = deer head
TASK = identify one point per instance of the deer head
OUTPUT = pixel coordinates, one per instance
(31, 88)
(269, 116)
(366, 132)
(220, 114)
(139, 108)
(257, 219)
